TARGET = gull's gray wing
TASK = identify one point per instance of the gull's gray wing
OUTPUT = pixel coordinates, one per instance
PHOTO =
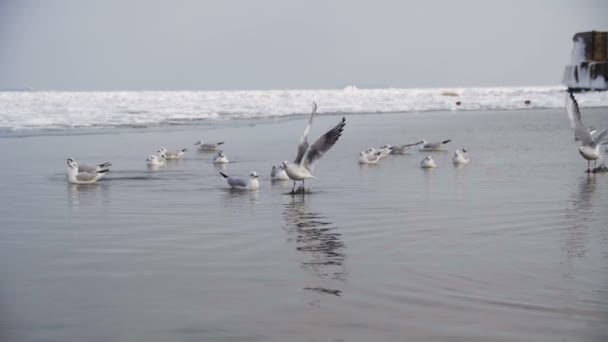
(323, 144)
(87, 168)
(599, 139)
(303, 146)
(236, 182)
(86, 176)
(574, 114)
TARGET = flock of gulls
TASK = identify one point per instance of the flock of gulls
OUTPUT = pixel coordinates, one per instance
(301, 169)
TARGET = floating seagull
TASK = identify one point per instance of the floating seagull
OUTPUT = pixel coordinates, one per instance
(172, 154)
(433, 146)
(302, 166)
(278, 173)
(428, 163)
(207, 147)
(154, 161)
(238, 183)
(76, 177)
(91, 168)
(220, 158)
(590, 147)
(369, 158)
(385, 151)
(460, 157)
(403, 148)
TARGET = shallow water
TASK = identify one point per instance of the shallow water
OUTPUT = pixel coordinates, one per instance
(512, 247)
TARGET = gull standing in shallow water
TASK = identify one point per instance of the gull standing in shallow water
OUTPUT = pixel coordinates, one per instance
(302, 166)
(238, 183)
(590, 147)
(76, 177)
(92, 168)
(207, 147)
(172, 154)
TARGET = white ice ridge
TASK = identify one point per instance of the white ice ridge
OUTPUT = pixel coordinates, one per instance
(49, 110)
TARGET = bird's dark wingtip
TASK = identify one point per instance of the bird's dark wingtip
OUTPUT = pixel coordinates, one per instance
(224, 175)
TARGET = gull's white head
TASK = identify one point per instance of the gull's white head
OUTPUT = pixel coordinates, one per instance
(387, 146)
(285, 163)
(423, 141)
(162, 150)
(152, 158)
(72, 165)
(200, 142)
(220, 154)
(253, 175)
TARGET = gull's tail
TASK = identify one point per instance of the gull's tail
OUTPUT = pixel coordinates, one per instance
(184, 150)
(224, 175)
(103, 171)
(446, 141)
(220, 143)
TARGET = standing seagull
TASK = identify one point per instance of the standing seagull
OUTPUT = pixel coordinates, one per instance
(590, 148)
(302, 166)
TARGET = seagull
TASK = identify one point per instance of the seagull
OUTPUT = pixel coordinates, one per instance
(460, 157)
(207, 147)
(369, 158)
(302, 166)
(278, 173)
(433, 146)
(220, 158)
(154, 161)
(239, 183)
(403, 148)
(590, 147)
(428, 163)
(385, 151)
(76, 177)
(92, 168)
(172, 154)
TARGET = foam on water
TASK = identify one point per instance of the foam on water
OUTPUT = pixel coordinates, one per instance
(48, 110)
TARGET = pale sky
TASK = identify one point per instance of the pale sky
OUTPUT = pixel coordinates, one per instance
(282, 44)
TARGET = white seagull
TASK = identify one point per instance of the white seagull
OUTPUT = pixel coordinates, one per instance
(238, 183)
(385, 151)
(589, 147)
(403, 148)
(92, 168)
(154, 161)
(461, 157)
(172, 154)
(76, 177)
(278, 173)
(302, 167)
(433, 146)
(220, 158)
(207, 147)
(369, 158)
(428, 163)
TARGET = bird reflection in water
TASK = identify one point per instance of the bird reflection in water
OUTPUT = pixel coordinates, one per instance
(579, 214)
(319, 242)
(87, 195)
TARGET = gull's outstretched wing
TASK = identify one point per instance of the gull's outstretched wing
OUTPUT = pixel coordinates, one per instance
(323, 144)
(303, 146)
(599, 139)
(574, 114)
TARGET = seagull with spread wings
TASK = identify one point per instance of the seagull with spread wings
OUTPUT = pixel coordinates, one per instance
(302, 167)
(589, 147)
